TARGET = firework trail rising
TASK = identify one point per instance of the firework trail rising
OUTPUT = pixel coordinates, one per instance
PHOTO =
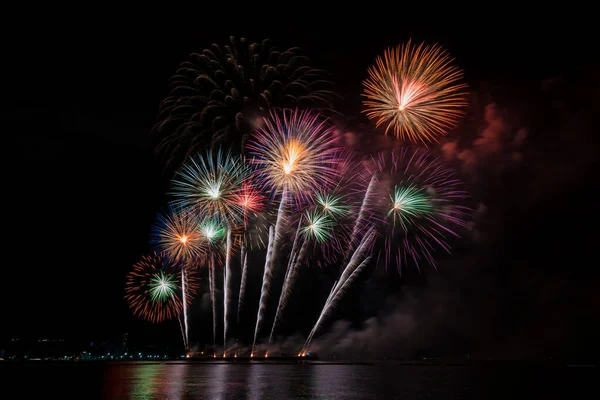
(345, 281)
(290, 265)
(334, 300)
(294, 152)
(211, 283)
(244, 261)
(227, 283)
(265, 286)
(293, 252)
(185, 317)
(288, 286)
(366, 241)
(303, 350)
(318, 228)
(361, 216)
(182, 333)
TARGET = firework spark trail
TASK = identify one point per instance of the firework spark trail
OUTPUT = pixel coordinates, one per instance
(365, 241)
(293, 251)
(211, 283)
(181, 327)
(336, 286)
(294, 245)
(360, 218)
(344, 281)
(244, 260)
(185, 318)
(288, 286)
(336, 298)
(312, 331)
(266, 282)
(182, 333)
(288, 269)
(227, 283)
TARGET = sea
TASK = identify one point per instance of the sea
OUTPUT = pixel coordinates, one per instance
(295, 380)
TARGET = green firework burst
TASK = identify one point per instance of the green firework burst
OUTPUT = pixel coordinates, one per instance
(409, 203)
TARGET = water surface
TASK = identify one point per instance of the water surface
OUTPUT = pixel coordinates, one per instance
(222, 380)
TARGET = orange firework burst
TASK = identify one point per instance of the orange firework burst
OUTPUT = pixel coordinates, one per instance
(295, 151)
(153, 287)
(178, 234)
(417, 91)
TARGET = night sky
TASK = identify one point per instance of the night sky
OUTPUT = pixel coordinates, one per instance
(83, 187)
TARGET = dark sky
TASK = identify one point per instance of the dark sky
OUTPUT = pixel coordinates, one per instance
(82, 186)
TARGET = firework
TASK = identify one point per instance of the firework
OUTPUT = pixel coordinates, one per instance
(215, 184)
(249, 199)
(228, 286)
(317, 227)
(420, 202)
(215, 231)
(362, 217)
(210, 183)
(243, 281)
(177, 234)
(344, 205)
(295, 152)
(359, 260)
(313, 226)
(416, 91)
(333, 204)
(252, 202)
(153, 289)
(216, 95)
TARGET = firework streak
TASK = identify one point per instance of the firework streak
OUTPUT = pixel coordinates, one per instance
(351, 272)
(185, 316)
(211, 283)
(361, 217)
(244, 261)
(290, 276)
(274, 240)
(227, 283)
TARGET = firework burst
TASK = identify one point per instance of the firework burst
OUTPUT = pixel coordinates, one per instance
(152, 288)
(295, 152)
(177, 233)
(416, 91)
(317, 226)
(216, 95)
(419, 200)
(211, 184)
(249, 198)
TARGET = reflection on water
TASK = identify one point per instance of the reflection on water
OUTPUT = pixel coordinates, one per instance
(222, 380)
